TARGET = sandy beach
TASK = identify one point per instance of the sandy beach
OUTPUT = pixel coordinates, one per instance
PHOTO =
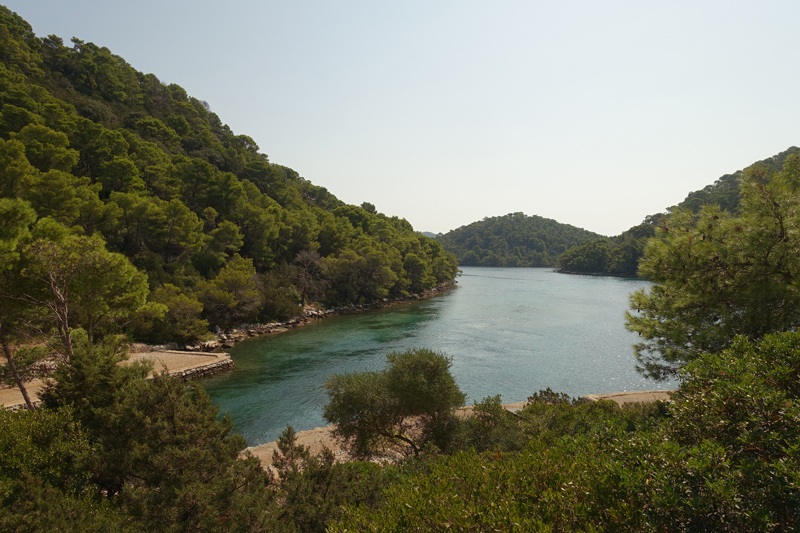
(177, 362)
(317, 438)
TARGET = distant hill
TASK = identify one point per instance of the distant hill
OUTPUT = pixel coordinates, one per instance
(515, 240)
(620, 255)
(428, 234)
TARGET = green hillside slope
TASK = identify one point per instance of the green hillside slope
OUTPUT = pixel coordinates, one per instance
(515, 240)
(106, 150)
(620, 255)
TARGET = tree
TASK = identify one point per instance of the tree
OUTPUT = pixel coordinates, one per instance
(219, 244)
(86, 285)
(178, 466)
(314, 488)
(418, 272)
(358, 277)
(46, 149)
(46, 485)
(410, 403)
(16, 217)
(18, 174)
(717, 276)
(159, 452)
(92, 380)
(307, 272)
(119, 174)
(181, 323)
(233, 295)
(53, 194)
(727, 458)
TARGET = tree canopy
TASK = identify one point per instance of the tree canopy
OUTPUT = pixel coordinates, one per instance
(620, 255)
(117, 156)
(718, 275)
(513, 240)
(409, 403)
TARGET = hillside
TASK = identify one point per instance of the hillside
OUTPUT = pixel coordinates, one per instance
(619, 255)
(106, 150)
(513, 240)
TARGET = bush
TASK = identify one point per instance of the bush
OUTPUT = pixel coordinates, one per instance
(313, 489)
(491, 427)
(45, 482)
(729, 460)
(409, 404)
(541, 488)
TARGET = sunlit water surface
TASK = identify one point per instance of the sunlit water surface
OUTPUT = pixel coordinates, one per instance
(510, 331)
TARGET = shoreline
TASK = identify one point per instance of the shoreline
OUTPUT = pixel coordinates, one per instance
(317, 438)
(211, 357)
(185, 366)
(597, 274)
(227, 340)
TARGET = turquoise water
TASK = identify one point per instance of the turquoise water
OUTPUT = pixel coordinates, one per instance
(510, 331)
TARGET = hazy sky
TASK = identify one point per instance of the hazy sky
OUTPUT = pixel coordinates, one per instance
(593, 113)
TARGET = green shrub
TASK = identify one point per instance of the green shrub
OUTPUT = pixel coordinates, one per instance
(729, 459)
(313, 489)
(45, 481)
(409, 404)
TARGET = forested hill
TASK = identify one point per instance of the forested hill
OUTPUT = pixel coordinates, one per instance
(223, 234)
(513, 240)
(620, 255)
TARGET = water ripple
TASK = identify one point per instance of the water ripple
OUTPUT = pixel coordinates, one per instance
(510, 331)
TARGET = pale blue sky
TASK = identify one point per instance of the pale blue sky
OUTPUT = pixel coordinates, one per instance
(593, 113)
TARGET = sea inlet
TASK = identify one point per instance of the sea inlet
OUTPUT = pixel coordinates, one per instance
(510, 331)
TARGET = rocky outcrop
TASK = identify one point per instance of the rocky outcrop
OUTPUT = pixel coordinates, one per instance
(311, 314)
(221, 365)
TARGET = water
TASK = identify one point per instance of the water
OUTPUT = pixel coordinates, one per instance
(510, 331)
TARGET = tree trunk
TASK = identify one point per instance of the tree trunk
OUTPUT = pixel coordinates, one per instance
(13, 367)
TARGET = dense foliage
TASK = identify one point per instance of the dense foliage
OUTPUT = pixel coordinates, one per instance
(112, 450)
(620, 255)
(729, 457)
(223, 235)
(723, 457)
(717, 275)
(408, 404)
(151, 455)
(615, 256)
(513, 240)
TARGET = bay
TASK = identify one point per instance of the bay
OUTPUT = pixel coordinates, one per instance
(510, 331)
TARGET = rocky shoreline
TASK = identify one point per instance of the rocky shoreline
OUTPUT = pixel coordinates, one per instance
(224, 341)
(169, 354)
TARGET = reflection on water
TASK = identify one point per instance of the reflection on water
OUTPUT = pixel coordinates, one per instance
(510, 332)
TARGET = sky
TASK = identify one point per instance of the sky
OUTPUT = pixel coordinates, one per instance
(594, 114)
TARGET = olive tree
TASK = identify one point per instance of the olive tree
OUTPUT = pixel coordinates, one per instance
(408, 404)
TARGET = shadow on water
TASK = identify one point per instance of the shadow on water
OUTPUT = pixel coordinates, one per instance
(509, 331)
